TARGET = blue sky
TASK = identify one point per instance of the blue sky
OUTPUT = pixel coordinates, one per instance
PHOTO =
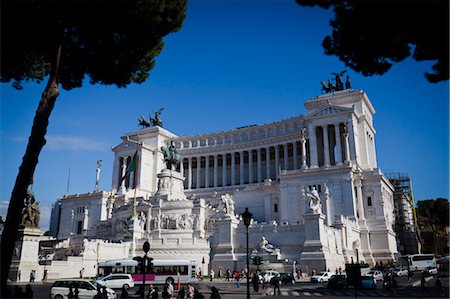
(233, 63)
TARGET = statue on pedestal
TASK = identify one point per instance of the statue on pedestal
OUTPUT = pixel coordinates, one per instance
(31, 213)
(171, 157)
(313, 198)
(153, 121)
(267, 247)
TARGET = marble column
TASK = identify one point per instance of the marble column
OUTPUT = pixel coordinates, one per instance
(216, 170)
(241, 168)
(189, 186)
(313, 146)
(304, 165)
(250, 166)
(347, 148)
(199, 165)
(233, 169)
(124, 171)
(206, 171)
(337, 132)
(277, 162)
(285, 156)
(295, 154)
(182, 166)
(268, 162)
(258, 164)
(224, 170)
(326, 146)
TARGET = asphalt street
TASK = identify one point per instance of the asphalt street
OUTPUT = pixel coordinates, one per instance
(302, 288)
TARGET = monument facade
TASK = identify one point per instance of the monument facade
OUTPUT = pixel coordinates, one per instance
(311, 182)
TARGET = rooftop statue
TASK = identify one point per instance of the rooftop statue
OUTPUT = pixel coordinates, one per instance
(31, 213)
(153, 121)
(171, 157)
(338, 83)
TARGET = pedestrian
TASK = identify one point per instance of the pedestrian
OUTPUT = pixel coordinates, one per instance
(190, 291)
(197, 294)
(165, 292)
(237, 277)
(214, 293)
(394, 285)
(76, 292)
(181, 293)
(99, 294)
(275, 281)
(228, 274)
(124, 293)
(44, 278)
(19, 274)
(423, 287)
(32, 275)
(255, 282)
(219, 275)
(410, 275)
(81, 272)
(70, 295)
(438, 286)
(170, 289)
(211, 275)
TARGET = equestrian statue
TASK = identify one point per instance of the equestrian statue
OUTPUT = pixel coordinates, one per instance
(171, 157)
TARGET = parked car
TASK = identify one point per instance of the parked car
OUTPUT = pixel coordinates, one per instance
(337, 282)
(86, 288)
(266, 276)
(430, 271)
(377, 274)
(368, 282)
(401, 272)
(322, 277)
(117, 281)
(287, 278)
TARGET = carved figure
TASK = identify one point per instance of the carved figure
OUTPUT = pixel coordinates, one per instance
(153, 121)
(325, 87)
(338, 79)
(331, 86)
(348, 85)
(313, 199)
(229, 204)
(266, 246)
(171, 157)
(31, 213)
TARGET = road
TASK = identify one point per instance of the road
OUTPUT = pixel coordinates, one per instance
(304, 289)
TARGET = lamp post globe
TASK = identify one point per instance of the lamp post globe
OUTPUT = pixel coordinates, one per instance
(247, 217)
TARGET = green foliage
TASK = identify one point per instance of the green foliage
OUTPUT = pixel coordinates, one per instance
(434, 212)
(112, 42)
(370, 36)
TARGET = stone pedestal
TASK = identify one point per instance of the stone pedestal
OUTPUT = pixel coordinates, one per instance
(315, 248)
(25, 255)
(170, 186)
(225, 251)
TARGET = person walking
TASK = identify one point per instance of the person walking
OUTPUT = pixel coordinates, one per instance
(228, 274)
(214, 293)
(255, 282)
(276, 285)
(237, 277)
(423, 287)
(124, 293)
(190, 291)
(438, 286)
(44, 278)
(211, 275)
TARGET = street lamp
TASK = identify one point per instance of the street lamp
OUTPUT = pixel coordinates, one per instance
(247, 217)
(146, 248)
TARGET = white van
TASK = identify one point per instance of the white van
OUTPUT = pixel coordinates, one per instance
(266, 276)
(322, 276)
(117, 281)
(86, 289)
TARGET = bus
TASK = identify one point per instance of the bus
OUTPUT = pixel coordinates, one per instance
(417, 262)
(162, 271)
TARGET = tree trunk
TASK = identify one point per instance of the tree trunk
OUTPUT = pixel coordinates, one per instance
(36, 142)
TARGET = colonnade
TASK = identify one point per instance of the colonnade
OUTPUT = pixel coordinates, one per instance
(327, 145)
